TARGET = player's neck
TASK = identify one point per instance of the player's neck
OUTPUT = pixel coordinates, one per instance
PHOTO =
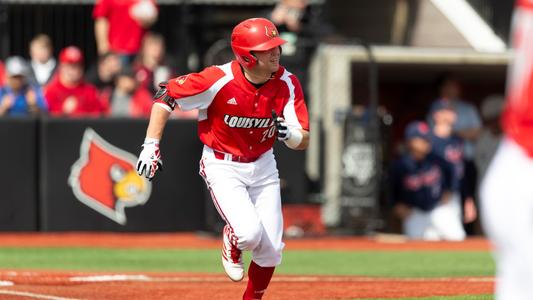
(256, 77)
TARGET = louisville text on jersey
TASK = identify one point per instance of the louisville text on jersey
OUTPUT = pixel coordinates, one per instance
(246, 122)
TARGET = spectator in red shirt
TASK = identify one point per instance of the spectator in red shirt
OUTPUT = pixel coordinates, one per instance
(2, 73)
(121, 24)
(68, 94)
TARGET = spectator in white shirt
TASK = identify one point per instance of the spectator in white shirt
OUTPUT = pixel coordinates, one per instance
(43, 64)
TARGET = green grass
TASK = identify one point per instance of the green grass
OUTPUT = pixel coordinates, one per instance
(363, 263)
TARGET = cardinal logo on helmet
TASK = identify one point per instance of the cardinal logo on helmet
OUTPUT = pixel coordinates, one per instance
(181, 80)
(271, 32)
(104, 178)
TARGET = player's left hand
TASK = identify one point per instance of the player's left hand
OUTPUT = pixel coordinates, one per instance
(281, 126)
(470, 212)
(149, 160)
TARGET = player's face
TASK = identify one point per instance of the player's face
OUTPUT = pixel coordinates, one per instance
(445, 116)
(268, 61)
(419, 147)
(40, 52)
(16, 82)
(71, 73)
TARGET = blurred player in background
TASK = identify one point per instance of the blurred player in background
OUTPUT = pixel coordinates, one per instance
(450, 147)
(421, 188)
(238, 124)
(507, 190)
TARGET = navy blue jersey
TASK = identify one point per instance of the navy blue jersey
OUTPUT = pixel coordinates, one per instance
(420, 184)
(451, 149)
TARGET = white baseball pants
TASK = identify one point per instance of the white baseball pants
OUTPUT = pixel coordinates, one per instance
(247, 196)
(507, 211)
(444, 222)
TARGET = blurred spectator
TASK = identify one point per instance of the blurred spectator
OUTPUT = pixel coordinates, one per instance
(120, 25)
(17, 96)
(149, 66)
(43, 64)
(491, 134)
(68, 94)
(450, 147)
(103, 73)
(129, 97)
(289, 13)
(2, 73)
(421, 189)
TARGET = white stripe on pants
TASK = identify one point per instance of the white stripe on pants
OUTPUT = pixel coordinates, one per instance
(247, 196)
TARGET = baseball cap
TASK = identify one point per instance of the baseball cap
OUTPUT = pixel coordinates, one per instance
(441, 104)
(71, 55)
(16, 66)
(417, 129)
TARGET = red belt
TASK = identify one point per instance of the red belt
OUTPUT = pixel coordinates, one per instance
(226, 156)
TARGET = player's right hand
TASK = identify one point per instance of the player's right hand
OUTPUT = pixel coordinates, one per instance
(149, 159)
(281, 127)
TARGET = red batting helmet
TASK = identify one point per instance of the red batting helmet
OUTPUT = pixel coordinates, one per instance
(256, 34)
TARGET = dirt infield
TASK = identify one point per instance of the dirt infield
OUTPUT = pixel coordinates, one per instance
(136, 286)
(76, 285)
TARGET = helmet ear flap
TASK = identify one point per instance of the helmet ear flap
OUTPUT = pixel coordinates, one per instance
(247, 60)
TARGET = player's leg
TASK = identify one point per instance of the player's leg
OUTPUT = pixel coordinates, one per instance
(267, 255)
(231, 199)
(417, 224)
(265, 195)
(507, 210)
(446, 219)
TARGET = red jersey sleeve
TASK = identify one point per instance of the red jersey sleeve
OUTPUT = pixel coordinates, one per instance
(1, 73)
(101, 9)
(295, 110)
(197, 90)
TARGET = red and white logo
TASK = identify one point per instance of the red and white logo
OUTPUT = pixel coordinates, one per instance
(104, 178)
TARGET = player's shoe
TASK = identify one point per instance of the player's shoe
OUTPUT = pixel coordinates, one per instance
(231, 255)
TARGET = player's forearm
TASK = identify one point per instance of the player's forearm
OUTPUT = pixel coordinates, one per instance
(158, 120)
(305, 140)
(101, 31)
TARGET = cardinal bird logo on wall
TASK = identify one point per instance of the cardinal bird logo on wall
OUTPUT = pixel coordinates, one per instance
(104, 178)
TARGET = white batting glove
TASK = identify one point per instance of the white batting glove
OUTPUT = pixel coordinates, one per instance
(282, 127)
(149, 159)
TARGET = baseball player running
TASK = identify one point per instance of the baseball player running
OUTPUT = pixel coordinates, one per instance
(507, 190)
(243, 106)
